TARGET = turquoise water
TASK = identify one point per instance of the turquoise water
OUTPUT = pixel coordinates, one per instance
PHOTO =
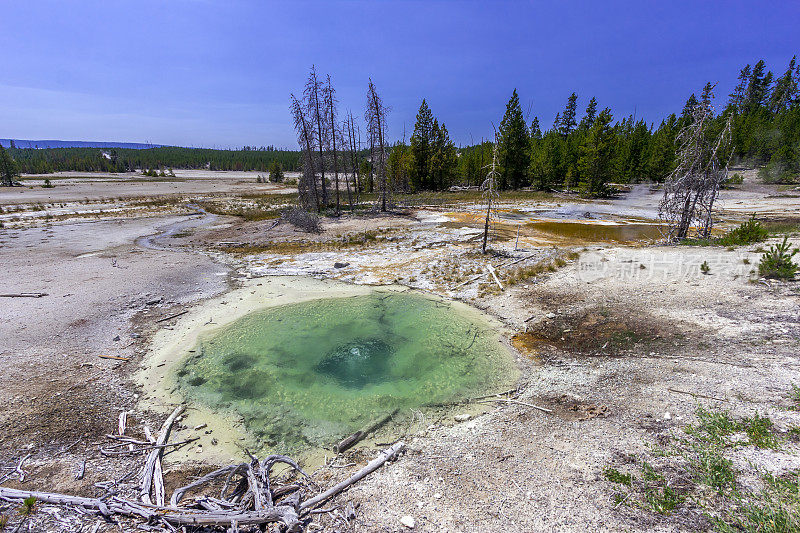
(307, 374)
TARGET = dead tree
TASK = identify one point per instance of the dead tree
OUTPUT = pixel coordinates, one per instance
(329, 97)
(307, 184)
(489, 188)
(702, 166)
(376, 128)
(316, 112)
(352, 148)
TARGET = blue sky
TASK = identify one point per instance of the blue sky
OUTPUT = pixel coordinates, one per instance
(219, 73)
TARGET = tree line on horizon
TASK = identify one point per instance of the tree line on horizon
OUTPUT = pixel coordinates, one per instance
(585, 153)
(593, 151)
(83, 159)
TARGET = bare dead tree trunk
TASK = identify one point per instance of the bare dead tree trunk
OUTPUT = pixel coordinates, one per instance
(307, 184)
(376, 124)
(489, 193)
(333, 130)
(702, 166)
(351, 143)
(312, 94)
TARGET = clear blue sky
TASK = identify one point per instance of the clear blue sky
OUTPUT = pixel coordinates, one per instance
(219, 72)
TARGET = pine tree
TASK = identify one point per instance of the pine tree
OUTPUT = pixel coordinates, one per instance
(591, 114)
(536, 131)
(443, 158)
(736, 98)
(8, 168)
(568, 119)
(275, 172)
(786, 88)
(758, 87)
(513, 143)
(596, 154)
(689, 108)
(421, 147)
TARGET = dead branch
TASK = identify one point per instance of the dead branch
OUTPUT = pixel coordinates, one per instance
(386, 455)
(176, 315)
(358, 436)
(155, 455)
(697, 394)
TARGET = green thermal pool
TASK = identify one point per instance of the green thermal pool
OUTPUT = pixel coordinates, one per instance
(306, 374)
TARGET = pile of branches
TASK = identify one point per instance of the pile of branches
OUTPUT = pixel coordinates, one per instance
(302, 219)
(248, 496)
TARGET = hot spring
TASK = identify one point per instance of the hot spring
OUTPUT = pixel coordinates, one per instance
(307, 374)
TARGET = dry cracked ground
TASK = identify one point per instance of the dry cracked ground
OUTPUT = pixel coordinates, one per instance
(623, 344)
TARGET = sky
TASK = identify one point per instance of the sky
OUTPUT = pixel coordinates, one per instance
(218, 73)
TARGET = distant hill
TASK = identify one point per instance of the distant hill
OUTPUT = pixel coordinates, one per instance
(26, 143)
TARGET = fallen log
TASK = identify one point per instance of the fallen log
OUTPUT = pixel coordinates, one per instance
(176, 315)
(24, 295)
(358, 436)
(239, 509)
(517, 402)
(115, 357)
(176, 517)
(155, 455)
(386, 455)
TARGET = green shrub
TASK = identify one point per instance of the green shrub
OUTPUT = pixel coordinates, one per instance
(747, 233)
(777, 261)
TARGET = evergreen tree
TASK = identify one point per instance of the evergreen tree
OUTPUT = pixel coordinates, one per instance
(513, 142)
(8, 168)
(399, 167)
(758, 87)
(689, 108)
(421, 148)
(736, 98)
(786, 89)
(591, 114)
(536, 131)
(443, 158)
(568, 119)
(275, 172)
(596, 154)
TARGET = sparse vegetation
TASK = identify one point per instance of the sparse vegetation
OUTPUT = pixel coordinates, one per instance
(615, 476)
(694, 474)
(777, 262)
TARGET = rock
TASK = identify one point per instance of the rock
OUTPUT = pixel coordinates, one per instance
(462, 418)
(437, 496)
(116, 339)
(408, 522)
(340, 265)
(667, 416)
(550, 315)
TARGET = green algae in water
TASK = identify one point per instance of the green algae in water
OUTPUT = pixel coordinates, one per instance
(306, 374)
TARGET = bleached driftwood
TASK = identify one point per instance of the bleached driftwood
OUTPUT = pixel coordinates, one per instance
(251, 502)
(155, 455)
